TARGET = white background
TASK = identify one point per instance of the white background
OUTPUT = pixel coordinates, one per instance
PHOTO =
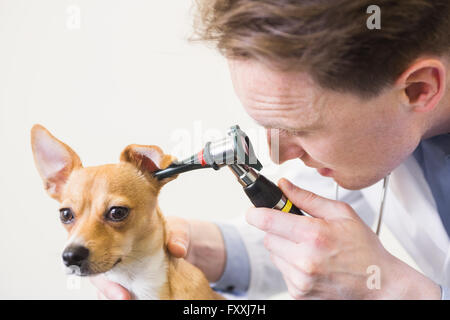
(126, 75)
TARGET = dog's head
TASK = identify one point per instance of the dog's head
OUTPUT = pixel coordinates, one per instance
(109, 210)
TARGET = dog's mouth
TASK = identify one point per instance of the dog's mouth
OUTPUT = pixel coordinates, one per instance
(81, 271)
(87, 269)
(117, 262)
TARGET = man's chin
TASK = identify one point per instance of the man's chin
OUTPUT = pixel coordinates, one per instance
(356, 184)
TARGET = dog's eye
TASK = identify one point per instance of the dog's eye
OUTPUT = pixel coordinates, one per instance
(66, 215)
(117, 213)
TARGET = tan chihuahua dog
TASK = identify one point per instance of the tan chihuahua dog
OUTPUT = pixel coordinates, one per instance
(115, 225)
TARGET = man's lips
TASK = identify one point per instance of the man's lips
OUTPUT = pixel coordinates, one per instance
(322, 170)
(325, 172)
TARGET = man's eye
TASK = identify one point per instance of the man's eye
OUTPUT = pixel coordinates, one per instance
(117, 214)
(66, 215)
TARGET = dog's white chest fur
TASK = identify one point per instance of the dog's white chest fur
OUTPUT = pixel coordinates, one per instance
(144, 278)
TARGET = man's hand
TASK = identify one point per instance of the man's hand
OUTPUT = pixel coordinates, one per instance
(199, 242)
(327, 256)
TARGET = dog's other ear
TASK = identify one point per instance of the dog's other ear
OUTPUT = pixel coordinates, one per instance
(147, 159)
(54, 160)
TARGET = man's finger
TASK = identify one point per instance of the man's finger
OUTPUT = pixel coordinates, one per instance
(303, 256)
(289, 226)
(178, 236)
(300, 281)
(312, 203)
(109, 289)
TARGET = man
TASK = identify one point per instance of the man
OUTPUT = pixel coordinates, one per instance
(356, 104)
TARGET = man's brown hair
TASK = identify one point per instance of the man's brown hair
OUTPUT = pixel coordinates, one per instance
(329, 39)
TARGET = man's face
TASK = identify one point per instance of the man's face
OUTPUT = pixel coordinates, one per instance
(356, 142)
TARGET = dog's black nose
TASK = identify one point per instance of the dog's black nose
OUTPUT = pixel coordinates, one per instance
(75, 255)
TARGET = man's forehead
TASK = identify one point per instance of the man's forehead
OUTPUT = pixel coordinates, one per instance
(296, 116)
(286, 86)
(261, 78)
(277, 99)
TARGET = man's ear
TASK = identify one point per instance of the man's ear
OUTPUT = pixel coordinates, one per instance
(423, 84)
(54, 160)
(147, 159)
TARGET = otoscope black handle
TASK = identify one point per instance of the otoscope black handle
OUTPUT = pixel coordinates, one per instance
(264, 193)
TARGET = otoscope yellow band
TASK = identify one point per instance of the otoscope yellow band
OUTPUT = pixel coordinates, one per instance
(287, 207)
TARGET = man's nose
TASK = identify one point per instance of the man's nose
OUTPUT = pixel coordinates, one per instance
(75, 255)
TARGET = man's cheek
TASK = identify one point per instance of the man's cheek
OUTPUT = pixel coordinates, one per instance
(329, 151)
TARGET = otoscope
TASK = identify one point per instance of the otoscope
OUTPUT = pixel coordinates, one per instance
(236, 152)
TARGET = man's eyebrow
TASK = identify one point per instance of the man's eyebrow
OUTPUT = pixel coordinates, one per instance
(271, 125)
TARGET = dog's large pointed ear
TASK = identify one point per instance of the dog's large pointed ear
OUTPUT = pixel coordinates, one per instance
(54, 160)
(147, 159)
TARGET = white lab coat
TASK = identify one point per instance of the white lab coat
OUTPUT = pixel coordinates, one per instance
(410, 214)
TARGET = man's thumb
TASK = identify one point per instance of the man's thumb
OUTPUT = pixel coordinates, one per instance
(178, 231)
(309, 202)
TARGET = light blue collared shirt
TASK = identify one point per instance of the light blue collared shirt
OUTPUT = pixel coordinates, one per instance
(236, 276)
(433, 156)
